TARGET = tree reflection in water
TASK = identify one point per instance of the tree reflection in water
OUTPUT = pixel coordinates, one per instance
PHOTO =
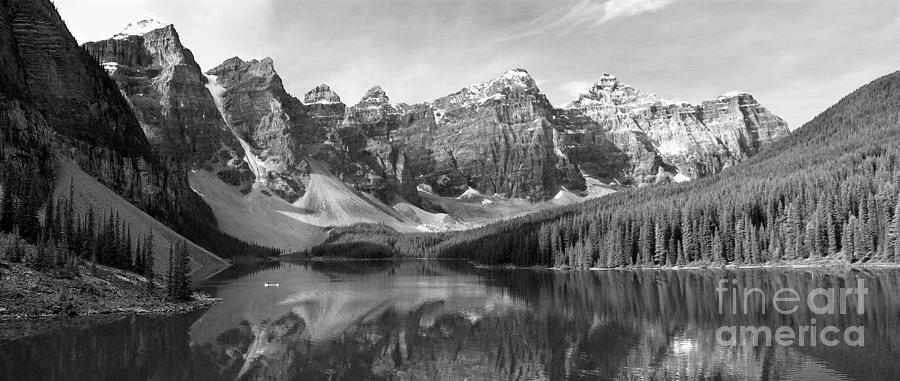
(447, 320)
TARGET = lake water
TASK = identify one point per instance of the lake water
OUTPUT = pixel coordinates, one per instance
(447, 320)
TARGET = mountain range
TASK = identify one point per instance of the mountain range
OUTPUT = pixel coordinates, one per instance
(230, 150)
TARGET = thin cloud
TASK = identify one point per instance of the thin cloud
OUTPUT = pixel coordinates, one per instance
(576, 88)
(584, 13)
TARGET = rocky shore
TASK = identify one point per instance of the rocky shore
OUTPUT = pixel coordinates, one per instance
(31, 301)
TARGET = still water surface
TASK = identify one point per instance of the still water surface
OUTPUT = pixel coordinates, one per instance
(445, 320)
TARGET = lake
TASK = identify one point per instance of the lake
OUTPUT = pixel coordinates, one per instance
(449, 320)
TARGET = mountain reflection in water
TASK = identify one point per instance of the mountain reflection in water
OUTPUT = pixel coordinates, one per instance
(414, 320)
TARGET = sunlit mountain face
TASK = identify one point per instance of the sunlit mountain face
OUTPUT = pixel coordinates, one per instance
(448, 320)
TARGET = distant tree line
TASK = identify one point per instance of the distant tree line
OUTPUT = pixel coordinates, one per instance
(831, 190)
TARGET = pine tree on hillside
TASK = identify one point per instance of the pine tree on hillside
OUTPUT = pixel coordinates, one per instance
(149, 261)
(8, 205)
(49, 231)
(69, 219)
(170, 273)
(27, 221)
(184, 286)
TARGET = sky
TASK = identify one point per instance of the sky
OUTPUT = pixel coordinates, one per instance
(797, 57)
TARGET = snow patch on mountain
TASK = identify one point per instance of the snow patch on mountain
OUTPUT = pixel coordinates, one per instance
(680, 178)
(565, 197)
(471, 194)
(672, 147)
(110, 67)
(139, 28)
(732, 94)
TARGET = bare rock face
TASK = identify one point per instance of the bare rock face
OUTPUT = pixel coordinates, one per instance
(495, 137)
(169, 95)
(366, 133)
(651, 135)
(321, 94)
(503, 137)
(55, 91)
(498, 137)
(273, 126)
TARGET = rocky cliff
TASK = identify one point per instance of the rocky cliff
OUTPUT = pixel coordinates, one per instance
(169, 96)
(653, 135)
(57, 101)
(280, 132)
(272, 125)
(504, 137)
(494, 137)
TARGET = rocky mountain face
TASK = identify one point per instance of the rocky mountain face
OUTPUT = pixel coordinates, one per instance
(365, 132)
(494, 137)
(651, 135)
(281, 133)
(498, 138)
(503, 136)
(272, 125)
(167, 91)
(55, 92)
(58, 106)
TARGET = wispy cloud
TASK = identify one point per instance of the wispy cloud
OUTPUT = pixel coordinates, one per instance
(576, 88)
(584, 14)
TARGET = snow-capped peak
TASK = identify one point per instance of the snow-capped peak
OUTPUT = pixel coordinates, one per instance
(516, 78)
(375, 95)
(607, 82)
(140, 28)
(515, 73)
(321, 94)
(732, 94)
(493, 90)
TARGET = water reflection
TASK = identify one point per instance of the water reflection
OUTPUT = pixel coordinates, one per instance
(447, 320)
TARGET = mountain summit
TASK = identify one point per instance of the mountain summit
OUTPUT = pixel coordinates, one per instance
(657, 134)
(169, 95)
(321, 94)
(140, 28)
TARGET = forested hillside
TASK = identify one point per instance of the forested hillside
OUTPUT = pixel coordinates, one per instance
(830, 190)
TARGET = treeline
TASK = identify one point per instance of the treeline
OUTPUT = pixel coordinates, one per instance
(375, 241)
(831, 190)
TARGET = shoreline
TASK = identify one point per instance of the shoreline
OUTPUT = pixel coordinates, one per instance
(799, 265)
(28, 294)
(816, 263)
(167, 308)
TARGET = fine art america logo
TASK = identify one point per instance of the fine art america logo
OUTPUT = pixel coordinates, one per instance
(787, 301)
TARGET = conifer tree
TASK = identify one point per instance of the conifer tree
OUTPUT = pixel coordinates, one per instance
(646, 242)
(660, 256)
(848, 240)
(8, 205)
(171, 280)
(184, 285)
(717, 249)
(49, 217)
(149, 261)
